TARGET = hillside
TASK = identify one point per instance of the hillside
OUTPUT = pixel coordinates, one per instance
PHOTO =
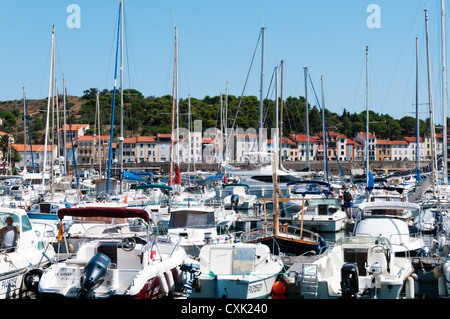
(151, 115)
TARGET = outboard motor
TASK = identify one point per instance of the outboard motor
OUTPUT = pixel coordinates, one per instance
(349, 280)
(94, 273)
(192, 272)
(234, 200)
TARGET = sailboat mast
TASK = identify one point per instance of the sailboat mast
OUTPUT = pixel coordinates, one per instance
(307, 118)
(367, 117)
(99, 154)
(173, 108)
(444, 95)
(277, 125)
(121, 98)
(430, 97)
(64, 123)
(417, 114)
(226, 121)
(324, 132)
(113, 104)
(44, 164)
(24, 132)
(261, 102)
(281, 107)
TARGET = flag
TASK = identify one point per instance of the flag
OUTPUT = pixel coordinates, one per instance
(153, 251)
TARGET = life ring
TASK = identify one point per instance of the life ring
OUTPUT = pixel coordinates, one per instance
(32, 278)
(163, 283)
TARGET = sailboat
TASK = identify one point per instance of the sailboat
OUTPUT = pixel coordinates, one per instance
(283, 239)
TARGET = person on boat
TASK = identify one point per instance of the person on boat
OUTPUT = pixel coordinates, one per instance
(8, 234)
(347, 197)
(331, 194)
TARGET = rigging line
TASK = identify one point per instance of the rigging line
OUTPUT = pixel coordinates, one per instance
(113, 41)
(376, 84)
(400, 57)
(267, 96)
(243, 89)
(359, 82)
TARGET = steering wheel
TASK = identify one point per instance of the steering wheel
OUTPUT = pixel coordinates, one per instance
(128, 243)
(378, 249)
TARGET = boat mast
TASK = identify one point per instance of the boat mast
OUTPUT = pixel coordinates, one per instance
(277, 124)
(367, 118)
(64, 123)
(261, 102)
(121, 98)
(444, 96)
(24, 132)
(173, 108)
(50, 85)
(99, 154)
(307, 119)
(324, 132)
(417, 115)
(430, 97)
(226, 121)
(281, 109)
(113, 103)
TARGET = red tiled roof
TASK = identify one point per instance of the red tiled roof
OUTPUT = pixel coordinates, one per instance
(146, 139)
(75, 127)
(36, 148)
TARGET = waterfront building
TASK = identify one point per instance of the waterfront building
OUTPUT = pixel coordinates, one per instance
(383, 150)
(38, 155)
(146, 149)
(302, 147)
(361, 138)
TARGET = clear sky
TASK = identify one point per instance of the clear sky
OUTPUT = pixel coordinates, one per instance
(217, 39)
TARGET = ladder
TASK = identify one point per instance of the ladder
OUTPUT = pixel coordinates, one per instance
(308, 280)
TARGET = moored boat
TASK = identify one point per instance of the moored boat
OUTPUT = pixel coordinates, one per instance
(115, 260)
(237, 271)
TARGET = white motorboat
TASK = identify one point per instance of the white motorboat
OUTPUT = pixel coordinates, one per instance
(22, 263)
(225, 218)
(299, 189)
(358, 267)
(321, 215)
(390, 220)
(193, 227)
(237, 271)
(115, 260)
(240, 197)
(259, 178)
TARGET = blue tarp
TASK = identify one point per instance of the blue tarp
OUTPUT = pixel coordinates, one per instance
(133, 177)
(215, 176)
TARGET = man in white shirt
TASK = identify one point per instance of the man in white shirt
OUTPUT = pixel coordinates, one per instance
(8, 234)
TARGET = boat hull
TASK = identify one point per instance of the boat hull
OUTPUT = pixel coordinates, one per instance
(235, 287)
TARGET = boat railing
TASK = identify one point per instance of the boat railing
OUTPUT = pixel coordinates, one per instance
(287, 230)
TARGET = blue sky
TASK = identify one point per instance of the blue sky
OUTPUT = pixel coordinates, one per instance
(217, 39)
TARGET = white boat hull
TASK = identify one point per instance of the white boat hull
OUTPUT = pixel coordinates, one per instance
(235, 287)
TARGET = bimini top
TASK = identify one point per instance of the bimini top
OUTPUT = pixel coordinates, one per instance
(113, 212)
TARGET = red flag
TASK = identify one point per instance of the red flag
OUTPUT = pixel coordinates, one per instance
(177, 178)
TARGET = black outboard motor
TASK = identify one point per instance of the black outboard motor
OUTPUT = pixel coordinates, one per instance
(234, 200)
(349, 280)
(94, 273)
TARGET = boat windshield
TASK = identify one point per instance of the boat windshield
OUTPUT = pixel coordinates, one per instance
(116, 232)
(322, 201)
(364, 240)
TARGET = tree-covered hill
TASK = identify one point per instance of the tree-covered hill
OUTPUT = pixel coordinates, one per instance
(144, 116)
